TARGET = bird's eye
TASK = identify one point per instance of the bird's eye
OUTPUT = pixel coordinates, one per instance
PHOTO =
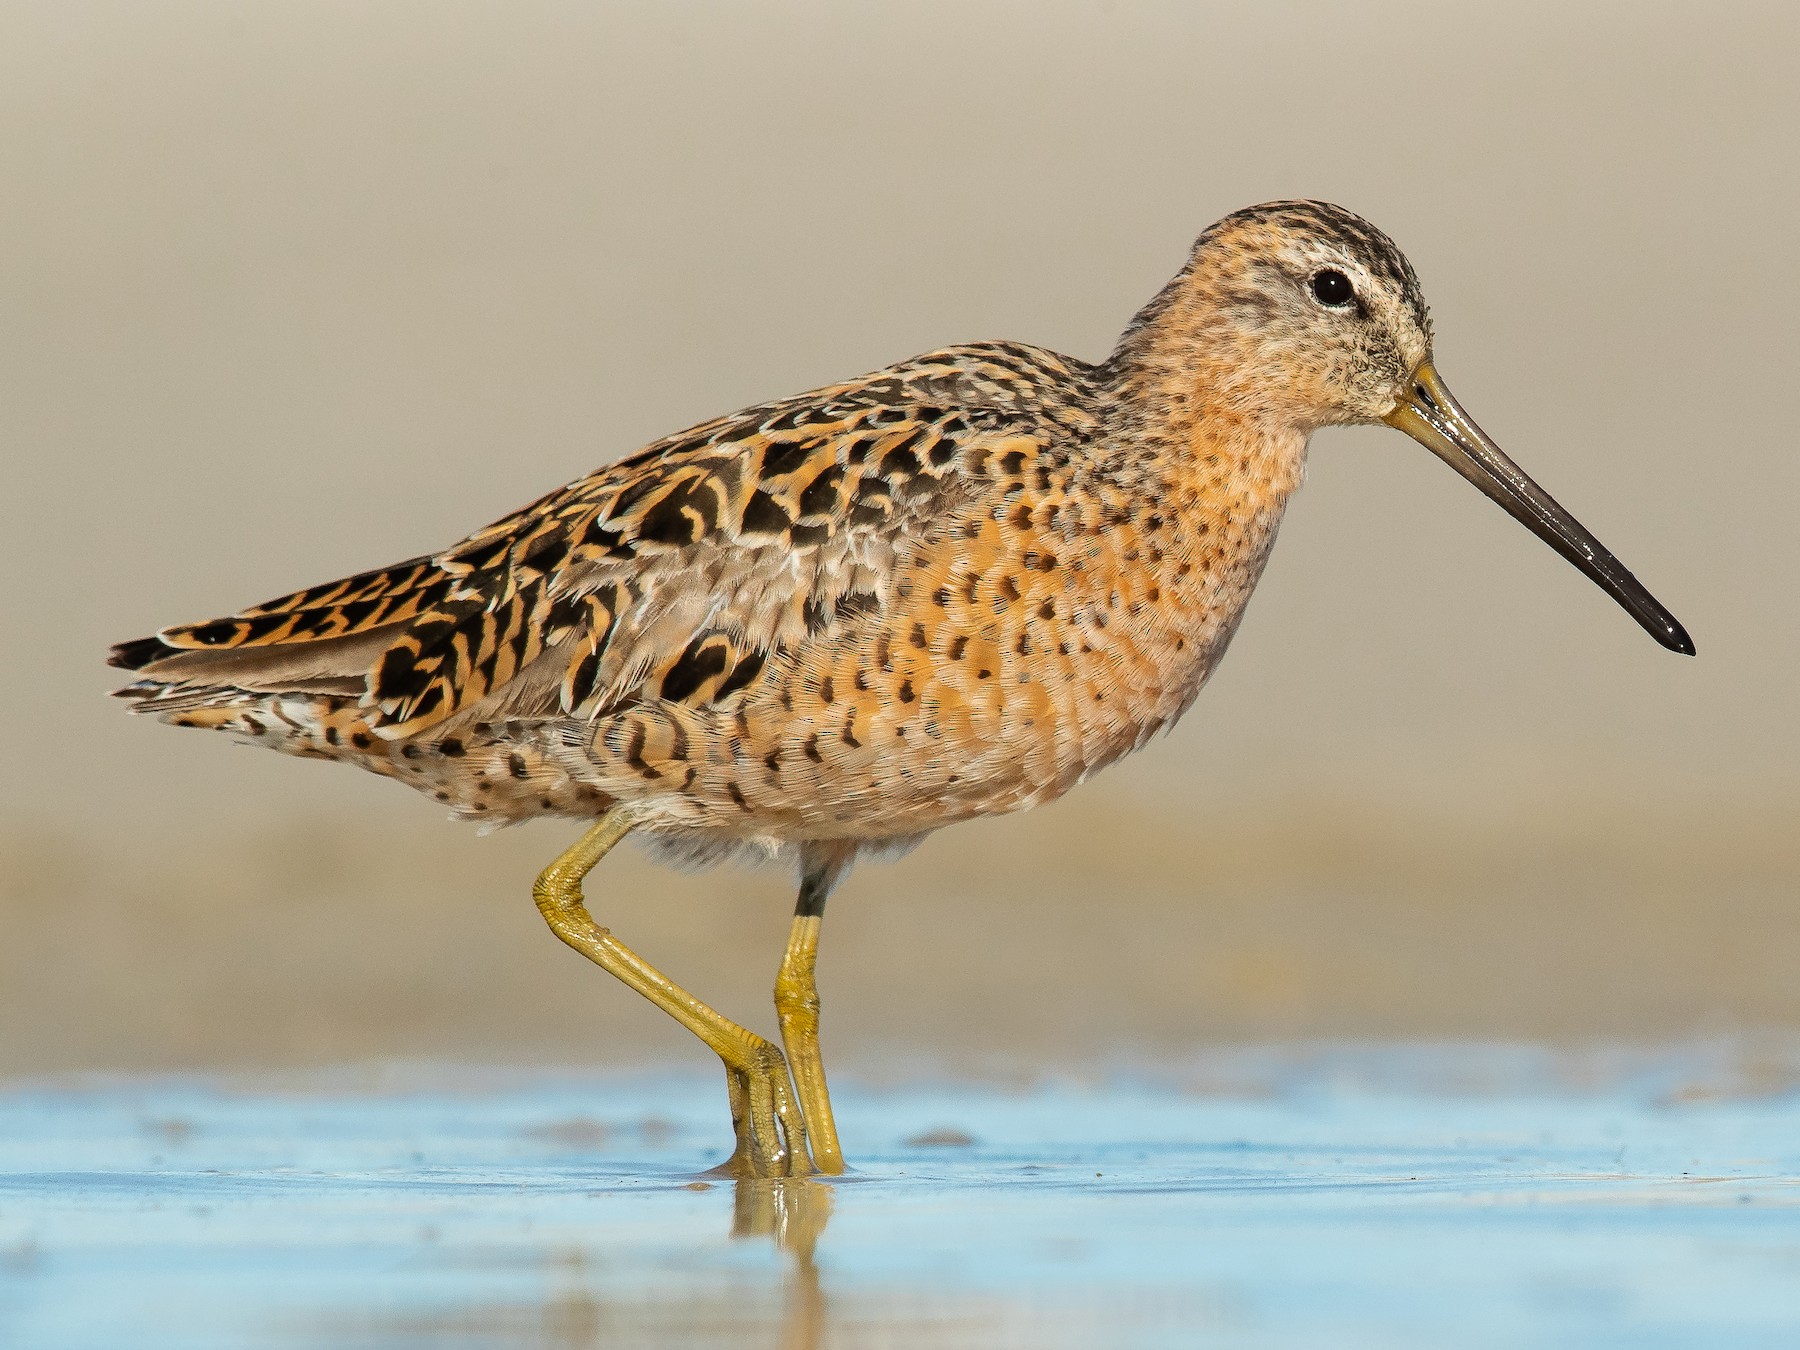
(1331, 287)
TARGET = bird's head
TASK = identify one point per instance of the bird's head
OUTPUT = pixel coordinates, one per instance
(1300, 314)
(1315, 316)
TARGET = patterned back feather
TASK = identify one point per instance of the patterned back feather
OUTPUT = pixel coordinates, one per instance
(677, 573)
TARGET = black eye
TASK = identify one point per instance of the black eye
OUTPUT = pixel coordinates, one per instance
(1332, 287)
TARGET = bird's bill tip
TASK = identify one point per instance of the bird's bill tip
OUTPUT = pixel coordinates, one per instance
(1430, 414)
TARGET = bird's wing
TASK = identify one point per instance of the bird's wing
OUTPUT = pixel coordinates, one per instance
(676, 573)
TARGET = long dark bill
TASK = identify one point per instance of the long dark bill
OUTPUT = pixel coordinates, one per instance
(1437, 421)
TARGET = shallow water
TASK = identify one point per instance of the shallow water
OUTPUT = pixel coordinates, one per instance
(1396, 1199)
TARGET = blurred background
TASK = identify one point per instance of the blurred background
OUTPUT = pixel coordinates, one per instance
(291, 291)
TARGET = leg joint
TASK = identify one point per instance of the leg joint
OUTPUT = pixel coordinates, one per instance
(555, 893)
(557, 889)
(793, 998)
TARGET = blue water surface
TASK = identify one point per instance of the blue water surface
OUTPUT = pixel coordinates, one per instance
(1297, 1205)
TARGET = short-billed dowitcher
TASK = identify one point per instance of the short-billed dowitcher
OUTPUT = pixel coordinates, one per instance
(825, 626)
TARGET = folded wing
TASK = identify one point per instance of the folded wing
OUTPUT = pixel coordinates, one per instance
(678, 574)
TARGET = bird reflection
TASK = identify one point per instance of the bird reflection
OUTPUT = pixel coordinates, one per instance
(793, 1211)
(580, 1314)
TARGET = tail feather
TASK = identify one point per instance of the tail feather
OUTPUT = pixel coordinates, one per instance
(350, 607)
(411, 646)
(295, 722)
(140, 652)
(325, 642)
(338, 666)
(167, 700)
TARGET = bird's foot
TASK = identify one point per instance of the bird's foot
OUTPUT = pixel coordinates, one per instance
(771, 1132)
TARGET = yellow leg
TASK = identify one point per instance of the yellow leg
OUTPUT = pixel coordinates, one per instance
(771, 1132)
(797, 1008)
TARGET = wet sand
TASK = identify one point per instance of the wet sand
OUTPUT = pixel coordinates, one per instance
(1476, 1196)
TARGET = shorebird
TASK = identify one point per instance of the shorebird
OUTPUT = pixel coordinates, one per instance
(823, 627)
